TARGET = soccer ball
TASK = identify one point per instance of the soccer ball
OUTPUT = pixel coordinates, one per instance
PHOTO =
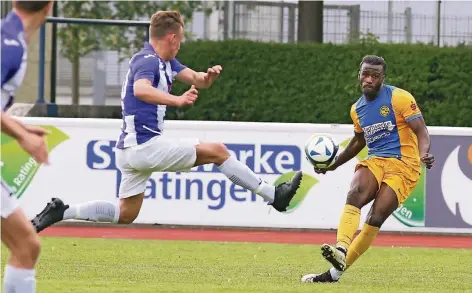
(321, 150)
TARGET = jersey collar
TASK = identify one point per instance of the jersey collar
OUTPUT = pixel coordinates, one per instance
(148, 46)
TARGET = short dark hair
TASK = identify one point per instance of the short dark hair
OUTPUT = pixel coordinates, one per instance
(163, 22)
(374, 60)
(31, 6)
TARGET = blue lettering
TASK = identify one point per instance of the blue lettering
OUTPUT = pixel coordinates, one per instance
(235, 188)
(101, 155)
(188, 185)
(221, 197)
(262, 159)
(165, 179)
(150, 191)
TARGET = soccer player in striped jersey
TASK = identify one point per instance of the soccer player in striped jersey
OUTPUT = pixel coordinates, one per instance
(142, 148)
(18, 235)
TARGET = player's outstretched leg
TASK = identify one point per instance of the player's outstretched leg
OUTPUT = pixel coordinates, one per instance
(95, 211)
(363, 190)
(385, 203)
(285, 191)
(278, 196)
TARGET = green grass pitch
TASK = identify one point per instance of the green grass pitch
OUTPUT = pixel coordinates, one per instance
(79, 265)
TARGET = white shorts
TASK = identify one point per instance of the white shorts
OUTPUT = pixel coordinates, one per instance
(158, 154)
(9, 201)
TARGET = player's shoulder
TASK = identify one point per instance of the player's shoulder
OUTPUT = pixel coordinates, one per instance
(12, 42)
(11, 53)
(144, 57)
(399, 92)
(12, 49)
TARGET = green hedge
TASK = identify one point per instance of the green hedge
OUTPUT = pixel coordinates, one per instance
(317, 83)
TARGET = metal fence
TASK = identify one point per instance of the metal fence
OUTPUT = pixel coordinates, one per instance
(270, 22)
(277, 22)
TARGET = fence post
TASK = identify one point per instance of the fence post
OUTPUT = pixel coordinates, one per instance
(408, 26)
(53, 75)
(291, 23)
(390, 21)
(354, 23)
(42, 52)
(226, 20)
(281, 24)
(99, 81)
(438, 23)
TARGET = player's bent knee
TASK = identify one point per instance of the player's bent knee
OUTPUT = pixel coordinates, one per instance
(35, 247)
(129, 208)
(375, 220)
(128, 215)
(221, 152)
(355, 196)
(127, 218)
(216, 153)
(27, 250)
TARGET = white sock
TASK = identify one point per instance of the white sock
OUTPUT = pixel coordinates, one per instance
(335, 274)
(95, 211)
(19, 280)
(241, 175)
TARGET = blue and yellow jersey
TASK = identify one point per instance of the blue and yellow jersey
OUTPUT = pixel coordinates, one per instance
(384, 122)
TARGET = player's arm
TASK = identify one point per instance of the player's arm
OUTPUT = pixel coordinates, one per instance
(354, 147)
(418, 126)
(31, 141)
(191, 77)
(146, 72)
(144, 90)
(407, 107)
(13, 127)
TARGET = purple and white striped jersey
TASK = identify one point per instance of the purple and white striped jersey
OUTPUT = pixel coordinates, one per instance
(14, 56)
(142, 120)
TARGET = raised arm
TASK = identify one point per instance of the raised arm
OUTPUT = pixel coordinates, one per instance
(191, 77)
(32, 141)
(146, 71)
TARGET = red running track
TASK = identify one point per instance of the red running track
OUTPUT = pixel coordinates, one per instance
(383, 239)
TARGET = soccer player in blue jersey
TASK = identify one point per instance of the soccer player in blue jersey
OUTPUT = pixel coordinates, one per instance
(389, 122)
(142, 148)
(19, 236)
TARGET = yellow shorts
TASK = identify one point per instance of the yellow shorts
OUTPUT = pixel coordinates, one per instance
(397, 174)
